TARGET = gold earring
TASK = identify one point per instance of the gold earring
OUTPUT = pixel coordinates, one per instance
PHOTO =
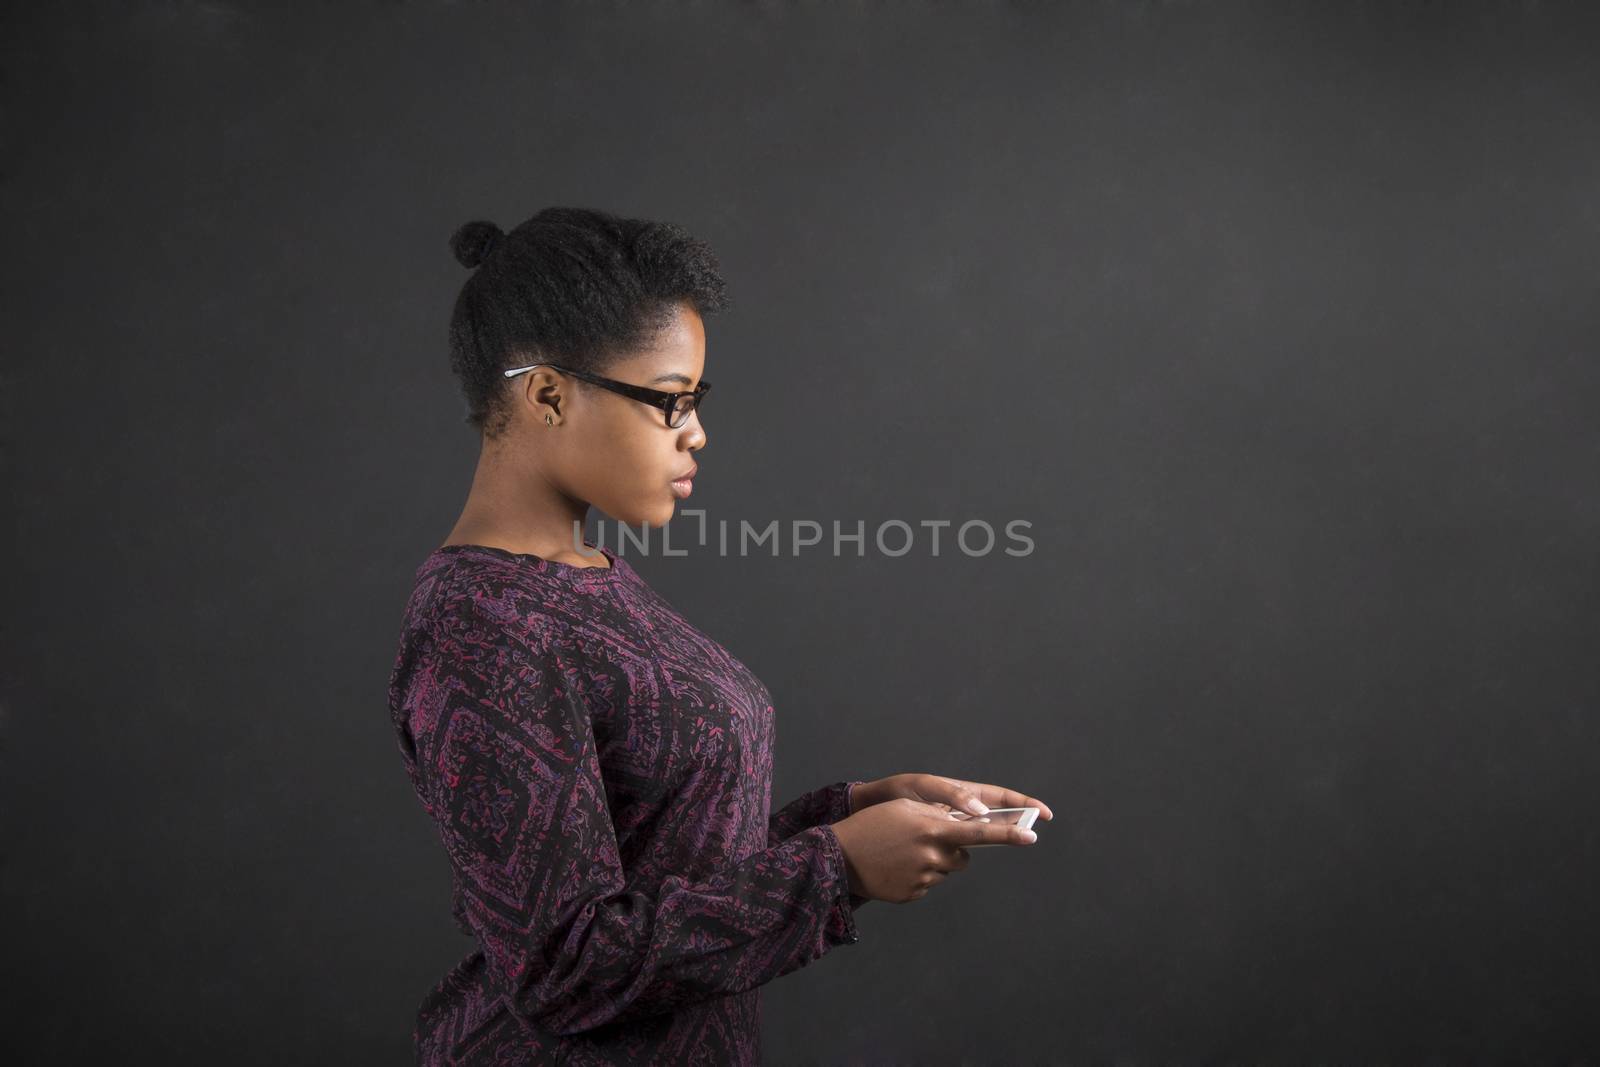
(547, 421)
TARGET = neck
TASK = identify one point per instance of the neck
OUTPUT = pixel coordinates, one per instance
(513, 505)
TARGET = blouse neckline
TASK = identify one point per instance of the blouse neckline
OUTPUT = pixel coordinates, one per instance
(550, 567)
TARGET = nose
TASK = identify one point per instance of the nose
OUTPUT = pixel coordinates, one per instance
(694, 434)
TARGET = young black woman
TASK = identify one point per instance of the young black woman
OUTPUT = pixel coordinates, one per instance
(598, 769)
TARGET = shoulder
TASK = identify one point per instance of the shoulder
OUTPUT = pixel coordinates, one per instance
(475, 606)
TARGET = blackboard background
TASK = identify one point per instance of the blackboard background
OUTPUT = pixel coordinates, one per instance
(1276, 321)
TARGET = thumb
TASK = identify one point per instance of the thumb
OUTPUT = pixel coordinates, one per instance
(932, 810)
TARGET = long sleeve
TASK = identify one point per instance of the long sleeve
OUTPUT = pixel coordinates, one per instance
(506, 764)
(829, 804)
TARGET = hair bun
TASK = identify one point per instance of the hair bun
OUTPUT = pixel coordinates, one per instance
(473, 242)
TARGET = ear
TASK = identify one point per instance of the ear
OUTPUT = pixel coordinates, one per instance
(541, 391)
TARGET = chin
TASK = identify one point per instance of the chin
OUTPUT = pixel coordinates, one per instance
(651, 519)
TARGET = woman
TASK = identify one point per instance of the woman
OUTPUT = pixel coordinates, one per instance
(599, 770)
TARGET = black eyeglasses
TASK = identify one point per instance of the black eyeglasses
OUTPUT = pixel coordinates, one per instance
(675, 406)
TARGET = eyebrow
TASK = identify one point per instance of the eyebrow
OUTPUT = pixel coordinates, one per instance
(674, 377)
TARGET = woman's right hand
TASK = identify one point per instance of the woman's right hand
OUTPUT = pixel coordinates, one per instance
(900, 849)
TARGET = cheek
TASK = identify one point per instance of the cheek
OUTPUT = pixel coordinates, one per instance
(642, 461)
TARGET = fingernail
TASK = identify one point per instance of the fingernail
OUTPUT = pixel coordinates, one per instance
(977, 807)
(1029, 836)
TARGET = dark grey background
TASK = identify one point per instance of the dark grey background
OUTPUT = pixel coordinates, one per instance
(1276, 321)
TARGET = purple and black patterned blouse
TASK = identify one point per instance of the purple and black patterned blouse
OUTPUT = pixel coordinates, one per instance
(600, 773)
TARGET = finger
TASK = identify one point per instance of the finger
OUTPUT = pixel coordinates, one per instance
(979, 832)
(960, 795)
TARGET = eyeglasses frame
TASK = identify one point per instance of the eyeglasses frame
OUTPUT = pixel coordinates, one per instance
(658, 398)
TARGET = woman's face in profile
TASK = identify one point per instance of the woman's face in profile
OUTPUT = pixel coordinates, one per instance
(618, 454)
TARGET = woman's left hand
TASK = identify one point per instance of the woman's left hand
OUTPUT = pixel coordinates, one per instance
(951, 793)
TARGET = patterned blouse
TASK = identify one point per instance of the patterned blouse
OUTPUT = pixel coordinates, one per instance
(600, 773)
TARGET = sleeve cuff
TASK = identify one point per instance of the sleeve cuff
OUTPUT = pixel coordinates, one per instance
(856, 900)
(841, 920)
(843, 792)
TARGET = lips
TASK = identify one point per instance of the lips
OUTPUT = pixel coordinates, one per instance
(683, 484)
